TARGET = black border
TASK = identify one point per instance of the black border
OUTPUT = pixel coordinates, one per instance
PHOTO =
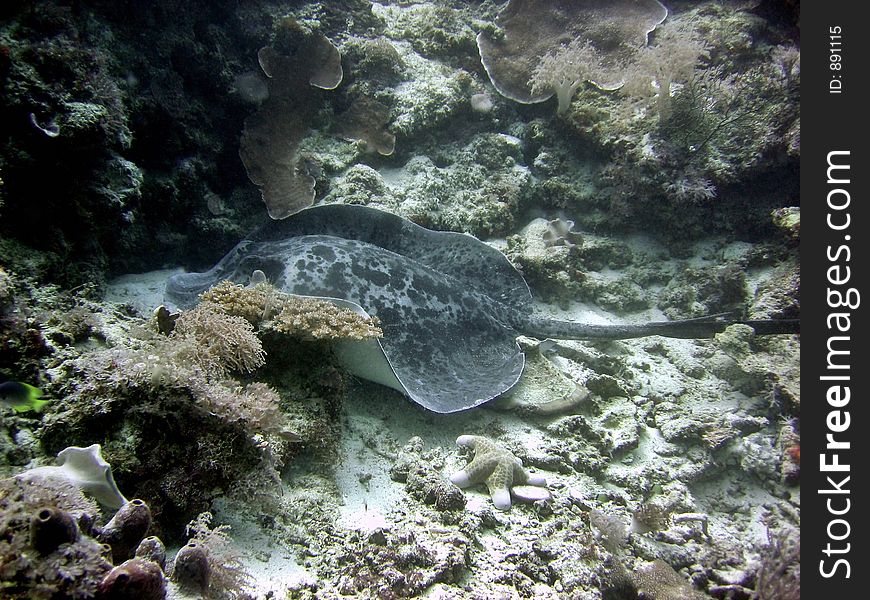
(833, 122)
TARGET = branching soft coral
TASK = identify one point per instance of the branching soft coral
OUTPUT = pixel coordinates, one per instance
(223, 342)
(673, 59)
(564, 70)
(227, 574)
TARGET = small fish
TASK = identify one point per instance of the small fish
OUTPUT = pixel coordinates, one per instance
(22, 397)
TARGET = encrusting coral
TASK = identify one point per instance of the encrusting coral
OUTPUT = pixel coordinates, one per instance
(303, 318)
(299, 60)
(531, 62)
(502, 472)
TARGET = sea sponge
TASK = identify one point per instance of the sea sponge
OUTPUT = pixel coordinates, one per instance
(135, 579)
(152, 548)
(50, 527)
(124, 531)
(221, 571)
(191, 570)
(44, 549)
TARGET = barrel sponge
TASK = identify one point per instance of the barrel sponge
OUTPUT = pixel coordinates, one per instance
(135, 579)
(50, 527)
(126, 530)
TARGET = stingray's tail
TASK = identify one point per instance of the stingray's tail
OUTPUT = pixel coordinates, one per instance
(700, 327)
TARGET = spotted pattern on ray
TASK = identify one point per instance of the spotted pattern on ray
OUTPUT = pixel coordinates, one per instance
(449, 305)
(445, 335)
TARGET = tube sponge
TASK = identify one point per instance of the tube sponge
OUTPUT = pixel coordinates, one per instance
(135, 579)
(124, 532)
(50, 527)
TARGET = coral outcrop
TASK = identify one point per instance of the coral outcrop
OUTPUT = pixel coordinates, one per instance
(528, 62)
(298, 60)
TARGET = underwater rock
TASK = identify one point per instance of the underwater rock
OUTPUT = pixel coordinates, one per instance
(789, 219)
(135, 579)
(479, 191)
(126, 530)
(659, 581)
(191, 570)
(544, 389)
(423, 480)
(426, 484)
(400, 564)
(50, 527)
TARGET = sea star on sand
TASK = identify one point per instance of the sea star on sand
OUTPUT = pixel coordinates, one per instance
(502, 472)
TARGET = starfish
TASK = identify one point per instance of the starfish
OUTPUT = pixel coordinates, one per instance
(502, 472)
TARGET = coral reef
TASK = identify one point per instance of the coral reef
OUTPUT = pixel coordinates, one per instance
(675, 194)
(313, 319)
(399, 564)
(480, 191)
